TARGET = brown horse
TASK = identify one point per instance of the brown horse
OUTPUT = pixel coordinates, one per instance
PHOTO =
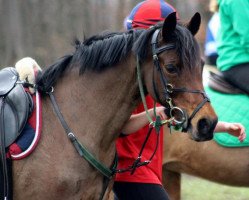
(207, 160)
(96, 90)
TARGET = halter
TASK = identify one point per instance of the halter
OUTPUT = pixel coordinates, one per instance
(168, 88)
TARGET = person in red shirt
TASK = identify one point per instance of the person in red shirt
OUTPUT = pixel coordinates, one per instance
(146, 181)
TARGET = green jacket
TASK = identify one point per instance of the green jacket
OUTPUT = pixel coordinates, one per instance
(233, 36)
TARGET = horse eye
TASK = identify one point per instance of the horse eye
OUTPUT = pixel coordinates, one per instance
(171, 68)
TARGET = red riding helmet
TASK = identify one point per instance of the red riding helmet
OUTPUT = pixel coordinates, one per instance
(148, 13)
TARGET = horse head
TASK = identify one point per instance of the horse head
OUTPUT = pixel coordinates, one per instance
(175, 80)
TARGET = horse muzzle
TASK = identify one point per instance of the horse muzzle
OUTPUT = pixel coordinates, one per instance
(204, 130)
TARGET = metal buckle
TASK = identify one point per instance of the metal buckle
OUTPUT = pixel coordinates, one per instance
(155, 57)
(182, 115)
(169, 88)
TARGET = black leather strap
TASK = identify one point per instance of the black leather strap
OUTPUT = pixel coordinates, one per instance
(5, 184)
(137, 163)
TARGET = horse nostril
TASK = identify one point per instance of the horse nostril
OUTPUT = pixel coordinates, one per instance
(204, 126)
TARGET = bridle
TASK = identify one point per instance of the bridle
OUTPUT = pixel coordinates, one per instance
(183, 121)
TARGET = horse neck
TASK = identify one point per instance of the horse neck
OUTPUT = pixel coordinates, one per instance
(96, 105)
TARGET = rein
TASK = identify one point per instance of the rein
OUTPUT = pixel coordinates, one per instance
(153, 124)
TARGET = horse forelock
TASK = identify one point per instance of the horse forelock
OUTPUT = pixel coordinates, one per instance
(187, 47)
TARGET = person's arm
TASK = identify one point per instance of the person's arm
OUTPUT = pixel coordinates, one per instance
(235, 129)
(138, 121)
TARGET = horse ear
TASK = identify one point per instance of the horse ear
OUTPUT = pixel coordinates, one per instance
(194, 24)
(169, 26)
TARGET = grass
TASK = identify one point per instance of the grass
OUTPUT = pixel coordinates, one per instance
(199, 189)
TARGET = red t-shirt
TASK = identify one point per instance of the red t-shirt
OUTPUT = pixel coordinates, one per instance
(128, 148)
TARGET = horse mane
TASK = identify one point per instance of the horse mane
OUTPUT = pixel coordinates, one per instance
(47, 78)
(105, 50)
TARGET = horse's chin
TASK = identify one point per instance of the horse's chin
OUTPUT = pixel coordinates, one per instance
(201, 138)
(196, 136)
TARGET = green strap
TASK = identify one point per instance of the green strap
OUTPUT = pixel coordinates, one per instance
(141, 90)
(92, 160)
(78, 146)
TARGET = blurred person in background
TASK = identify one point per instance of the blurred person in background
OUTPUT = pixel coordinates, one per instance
(233, 42)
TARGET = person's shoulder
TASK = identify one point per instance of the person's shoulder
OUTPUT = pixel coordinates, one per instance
(235, 2)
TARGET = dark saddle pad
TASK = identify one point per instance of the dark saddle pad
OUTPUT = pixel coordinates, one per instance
(17, 104)
(218, 82)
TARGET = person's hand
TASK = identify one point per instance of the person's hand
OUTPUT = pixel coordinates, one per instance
(236, 129)
(160, 112)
